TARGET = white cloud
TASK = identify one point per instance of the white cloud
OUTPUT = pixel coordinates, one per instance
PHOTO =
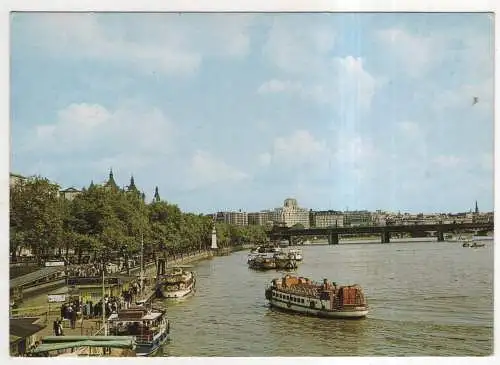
(204, 169)
(460, 46)
(162, 43)
(345, 83)
(92, 127)
(353, 83)
(316, 159)
(299, 149)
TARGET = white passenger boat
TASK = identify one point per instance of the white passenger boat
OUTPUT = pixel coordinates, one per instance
(296, 253)
(300, 295)
(150, 328)
(176, 284)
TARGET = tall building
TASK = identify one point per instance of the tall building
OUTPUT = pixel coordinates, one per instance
(291, 214)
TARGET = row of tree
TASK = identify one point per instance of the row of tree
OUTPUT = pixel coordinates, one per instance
(103, 220)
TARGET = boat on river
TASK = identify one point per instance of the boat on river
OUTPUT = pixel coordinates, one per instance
(262, 262)
(263, 251)
(296, 253)
(285, 261)
(328, 300)
(176, 284)
(150, 328)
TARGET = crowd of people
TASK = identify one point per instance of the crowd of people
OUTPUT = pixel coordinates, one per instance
(77, 308)
(92, 270)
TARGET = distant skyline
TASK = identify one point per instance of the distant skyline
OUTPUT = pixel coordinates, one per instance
(240, 111)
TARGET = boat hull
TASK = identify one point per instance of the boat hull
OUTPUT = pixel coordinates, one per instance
(149, 349)
(177, 294)
(338, 314)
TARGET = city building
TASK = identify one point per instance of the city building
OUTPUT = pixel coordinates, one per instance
(291, 214)
(237, 218)
(69, 193)
(357, 218)
(326, 218)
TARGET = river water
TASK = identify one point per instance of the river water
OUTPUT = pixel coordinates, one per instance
(425, 298)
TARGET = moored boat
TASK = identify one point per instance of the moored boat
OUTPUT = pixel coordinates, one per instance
(285, 261)
(262, 262)
(150, 328)
(300, 295)
(296, 253)
(176, 284)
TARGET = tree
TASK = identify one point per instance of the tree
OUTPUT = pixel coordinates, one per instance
(36, 216)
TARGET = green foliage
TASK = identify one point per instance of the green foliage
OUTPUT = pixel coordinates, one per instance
(101, 220)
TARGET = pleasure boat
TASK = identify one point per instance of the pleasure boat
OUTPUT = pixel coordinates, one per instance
(300, 295)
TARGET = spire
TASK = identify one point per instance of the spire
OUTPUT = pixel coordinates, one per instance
(111, 181)
(91, 184)
(477, 209)
(156, 197)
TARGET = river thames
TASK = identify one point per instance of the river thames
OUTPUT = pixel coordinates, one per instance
(425, 298)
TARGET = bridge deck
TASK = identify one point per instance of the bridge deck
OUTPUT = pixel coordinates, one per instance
(34, 276)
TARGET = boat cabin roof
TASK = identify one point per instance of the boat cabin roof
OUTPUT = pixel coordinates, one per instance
(134, 316)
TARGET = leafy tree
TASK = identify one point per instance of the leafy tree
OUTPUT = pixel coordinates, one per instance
(36, 216)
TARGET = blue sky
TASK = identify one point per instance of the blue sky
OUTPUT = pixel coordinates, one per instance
(240, 111)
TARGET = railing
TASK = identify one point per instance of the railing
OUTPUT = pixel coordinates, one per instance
(34, 311)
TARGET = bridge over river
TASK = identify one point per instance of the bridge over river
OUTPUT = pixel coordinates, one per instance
(285, 233)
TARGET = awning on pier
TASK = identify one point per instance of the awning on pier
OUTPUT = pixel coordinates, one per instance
(34, 276)
(125, 342)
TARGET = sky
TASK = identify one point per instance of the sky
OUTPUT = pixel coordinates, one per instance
(240, 111)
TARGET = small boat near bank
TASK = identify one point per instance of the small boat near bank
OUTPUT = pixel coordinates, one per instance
(176, 284)
(300, 295)
(149, 328)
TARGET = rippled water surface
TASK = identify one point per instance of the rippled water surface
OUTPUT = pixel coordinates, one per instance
(425, 298)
